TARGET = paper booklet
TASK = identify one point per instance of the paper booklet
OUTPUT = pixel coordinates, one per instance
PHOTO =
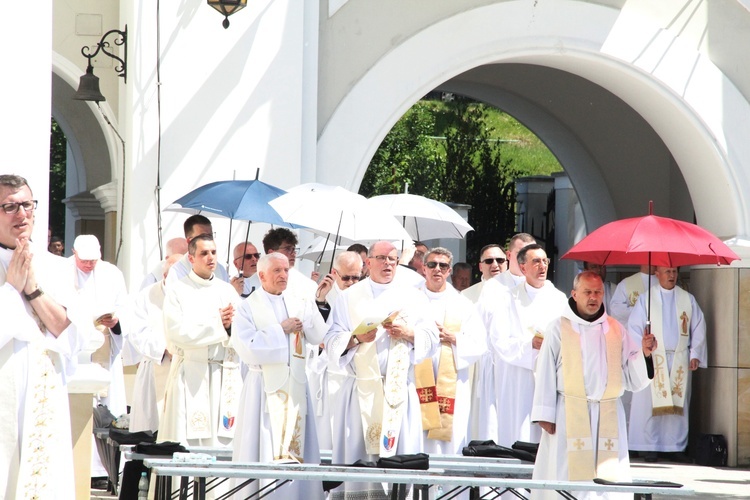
(372, 322)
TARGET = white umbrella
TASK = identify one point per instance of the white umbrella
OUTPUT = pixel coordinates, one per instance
(423, 218)
(321, 249)
(335, 211)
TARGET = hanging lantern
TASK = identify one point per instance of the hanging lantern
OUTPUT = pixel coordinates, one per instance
(227, 7)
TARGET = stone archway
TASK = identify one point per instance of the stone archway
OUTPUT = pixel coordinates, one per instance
(583, 43)
(91, 195)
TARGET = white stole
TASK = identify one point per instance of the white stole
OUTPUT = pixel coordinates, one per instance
(668, 387)
(285, 384)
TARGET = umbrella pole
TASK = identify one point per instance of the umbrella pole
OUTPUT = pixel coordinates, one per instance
(229, 244)
(320, 257)
(247, 237)
(333, 255)
(648, 315)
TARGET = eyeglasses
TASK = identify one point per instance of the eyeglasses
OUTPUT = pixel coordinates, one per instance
(539, 262)
(13, 208)
(385, 258)
(289, 249)
(499, 260)
(444, 266)
(349, 278)
(248, 256)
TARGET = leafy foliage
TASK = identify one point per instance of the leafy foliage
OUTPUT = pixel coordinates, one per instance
(447, 152)
(57, 166)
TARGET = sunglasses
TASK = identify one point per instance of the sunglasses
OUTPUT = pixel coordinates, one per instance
(444, 266)
(489, 262)
(248, 256)
(349, 278)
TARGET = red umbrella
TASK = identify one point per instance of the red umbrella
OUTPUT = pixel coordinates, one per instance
(651, 240)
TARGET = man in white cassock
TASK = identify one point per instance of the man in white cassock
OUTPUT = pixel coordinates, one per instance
(492, 301)
(659, 414)
(381, 329)
(282, 240)
(325, 382)
(272, 333)
(192, 227)
(202, 393)
(39, 343)
(443, 383)
(101, 291)
(586, 361)
(148, 342)
(515, 339)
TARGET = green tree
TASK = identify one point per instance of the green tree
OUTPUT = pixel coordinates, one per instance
(446, 151)
(57, 166)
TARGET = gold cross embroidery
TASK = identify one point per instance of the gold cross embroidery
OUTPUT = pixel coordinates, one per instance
(609, 444)
(578, 444)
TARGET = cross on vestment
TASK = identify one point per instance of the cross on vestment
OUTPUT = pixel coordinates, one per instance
(609, 444)
(578, 444)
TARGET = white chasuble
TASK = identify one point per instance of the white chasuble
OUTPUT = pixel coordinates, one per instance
(285, 384)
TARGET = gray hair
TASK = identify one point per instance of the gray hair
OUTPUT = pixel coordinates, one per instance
(14, 182)
(440, 251)
(265, 262)
(347, 257)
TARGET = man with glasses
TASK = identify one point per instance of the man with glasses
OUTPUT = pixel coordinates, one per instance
(246, 261)
(382, 416)
(443, 380)
(325, 381)
(515, 337)
(491, 264)
(39, 344)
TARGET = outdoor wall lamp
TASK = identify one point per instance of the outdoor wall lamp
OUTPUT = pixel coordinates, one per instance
(227, 7)
(88, 87)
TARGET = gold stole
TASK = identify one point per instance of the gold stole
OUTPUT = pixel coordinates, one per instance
(633, 288)
(437, 401)
(285, 384)
(668, 389)
(580, 446)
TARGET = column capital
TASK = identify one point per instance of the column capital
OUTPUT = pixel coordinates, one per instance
(107, 196)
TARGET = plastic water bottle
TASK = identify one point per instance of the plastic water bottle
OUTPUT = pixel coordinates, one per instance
(143, 486)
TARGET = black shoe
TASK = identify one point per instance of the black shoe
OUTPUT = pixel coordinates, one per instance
(100, 483)
(681, 458)
(650, 457)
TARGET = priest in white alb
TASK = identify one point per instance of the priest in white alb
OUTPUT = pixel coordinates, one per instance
(515, 338)
(586, 361)
(659, 415)
(202, 393)
(381, 329)
(39, 344)
(443, 382)
(272, 334)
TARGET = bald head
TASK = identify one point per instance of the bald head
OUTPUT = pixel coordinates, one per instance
(178, 246)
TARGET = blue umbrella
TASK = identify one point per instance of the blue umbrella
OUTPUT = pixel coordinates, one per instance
(242, 200)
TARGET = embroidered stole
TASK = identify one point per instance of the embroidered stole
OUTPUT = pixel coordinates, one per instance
(580, 445)
(668, 387)
(633, 288)
(381, 405)
(443, 393)
(28, 463)
(285, 384)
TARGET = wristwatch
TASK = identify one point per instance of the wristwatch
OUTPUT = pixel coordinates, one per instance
(356, 340)
(31, 296)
